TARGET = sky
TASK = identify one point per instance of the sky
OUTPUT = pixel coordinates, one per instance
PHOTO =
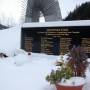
(12, 11)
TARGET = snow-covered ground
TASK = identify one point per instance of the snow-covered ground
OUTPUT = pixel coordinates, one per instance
(24, 72)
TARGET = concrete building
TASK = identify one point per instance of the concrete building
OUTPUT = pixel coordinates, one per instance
(48, 8)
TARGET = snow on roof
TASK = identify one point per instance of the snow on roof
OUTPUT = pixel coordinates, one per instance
(57, 24)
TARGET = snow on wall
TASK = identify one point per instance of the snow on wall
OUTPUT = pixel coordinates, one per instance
(10, 39)
(58, 24)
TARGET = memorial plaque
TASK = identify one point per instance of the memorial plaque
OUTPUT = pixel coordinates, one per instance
(55, 40)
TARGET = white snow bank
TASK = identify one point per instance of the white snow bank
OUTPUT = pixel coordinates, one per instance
(10, 39)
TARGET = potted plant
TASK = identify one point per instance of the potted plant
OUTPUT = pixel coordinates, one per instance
(70, 72)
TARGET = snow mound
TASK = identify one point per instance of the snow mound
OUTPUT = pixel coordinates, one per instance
(21, 59)
(19, 51)
(74, 81)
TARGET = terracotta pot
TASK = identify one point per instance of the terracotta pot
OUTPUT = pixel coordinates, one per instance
(62, 87)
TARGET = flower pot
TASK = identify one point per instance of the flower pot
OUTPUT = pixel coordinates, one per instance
(62, 87)
(74, 83)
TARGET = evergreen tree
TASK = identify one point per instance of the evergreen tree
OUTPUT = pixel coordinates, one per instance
(81, 12)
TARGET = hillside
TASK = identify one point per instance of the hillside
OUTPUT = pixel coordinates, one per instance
(3, 27)
(81, 12)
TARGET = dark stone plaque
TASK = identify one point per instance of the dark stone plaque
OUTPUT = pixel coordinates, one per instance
(55, 40)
